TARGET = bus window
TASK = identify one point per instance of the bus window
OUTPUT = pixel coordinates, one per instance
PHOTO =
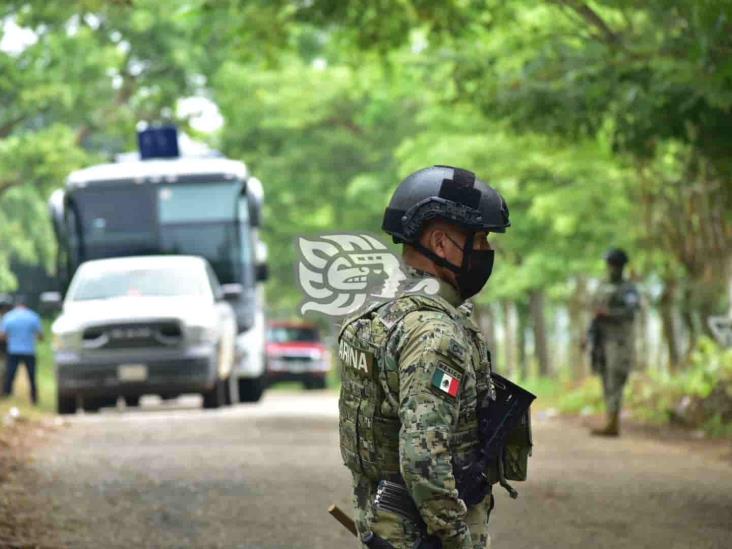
(200, 219)
(192, 202)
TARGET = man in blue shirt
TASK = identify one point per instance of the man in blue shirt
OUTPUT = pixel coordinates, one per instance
(21, 327)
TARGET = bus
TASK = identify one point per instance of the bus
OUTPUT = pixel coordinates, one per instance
(163, 203)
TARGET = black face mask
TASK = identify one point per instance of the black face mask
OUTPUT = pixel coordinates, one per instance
(616, 272)
(475, 270)
(472, 278)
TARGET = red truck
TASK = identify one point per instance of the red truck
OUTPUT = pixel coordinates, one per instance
(296, 352)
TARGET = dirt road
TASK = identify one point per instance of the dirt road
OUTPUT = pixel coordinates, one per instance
(263, 475)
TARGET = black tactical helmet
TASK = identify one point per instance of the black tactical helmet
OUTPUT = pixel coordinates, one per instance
(616, 256)
(448, 193)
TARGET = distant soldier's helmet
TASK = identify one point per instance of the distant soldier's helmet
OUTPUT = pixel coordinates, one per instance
(448, 193)
(616, 256)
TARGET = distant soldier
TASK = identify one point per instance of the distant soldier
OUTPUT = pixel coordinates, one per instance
(611, 337)
(416, 372)
(21, 328)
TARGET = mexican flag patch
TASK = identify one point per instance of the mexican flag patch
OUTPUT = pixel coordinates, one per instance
(446, 382)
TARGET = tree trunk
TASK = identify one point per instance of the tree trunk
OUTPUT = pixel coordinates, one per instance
(666, 309)
(541, 348)
(687, 316)
(578, 324)
(641, 339)
(522, 314)
(509, 338)
(487, 323)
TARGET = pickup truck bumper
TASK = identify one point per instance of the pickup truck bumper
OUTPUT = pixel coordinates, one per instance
(190, 371)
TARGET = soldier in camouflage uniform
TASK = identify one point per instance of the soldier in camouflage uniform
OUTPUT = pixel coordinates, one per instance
(414, 368)
(612, 333)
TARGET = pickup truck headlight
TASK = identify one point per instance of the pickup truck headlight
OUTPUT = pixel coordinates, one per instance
(316, 354)
(202, 333)
(66, 341)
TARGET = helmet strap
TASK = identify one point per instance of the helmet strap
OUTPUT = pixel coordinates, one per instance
(466, 249)
(441, 261)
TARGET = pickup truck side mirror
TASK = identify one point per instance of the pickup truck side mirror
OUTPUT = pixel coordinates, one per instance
(231, 292)
(261, 272)
(50, 301)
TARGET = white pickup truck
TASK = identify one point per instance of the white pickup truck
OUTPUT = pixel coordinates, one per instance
(145, 325)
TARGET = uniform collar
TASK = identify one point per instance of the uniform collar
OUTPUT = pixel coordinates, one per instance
(446, 290)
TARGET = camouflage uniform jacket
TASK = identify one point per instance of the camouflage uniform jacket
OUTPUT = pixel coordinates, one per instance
(621, 300)
(412, 370)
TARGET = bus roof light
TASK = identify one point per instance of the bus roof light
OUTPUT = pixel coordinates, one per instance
(158, 142)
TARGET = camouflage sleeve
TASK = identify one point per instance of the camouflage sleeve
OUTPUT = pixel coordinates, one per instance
(428, 414)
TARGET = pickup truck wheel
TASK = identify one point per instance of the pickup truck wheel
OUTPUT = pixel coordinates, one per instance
(250, 389)
(65, 405)
(94, 404)
(315, 383)
(216, 396)
(132, 401)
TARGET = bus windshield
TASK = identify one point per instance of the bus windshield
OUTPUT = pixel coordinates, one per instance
(118, 219)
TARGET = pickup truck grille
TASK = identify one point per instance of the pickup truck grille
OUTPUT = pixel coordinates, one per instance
(131, 335)
(295, 358)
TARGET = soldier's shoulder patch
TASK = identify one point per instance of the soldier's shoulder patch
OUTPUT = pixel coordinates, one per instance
(455, 349)
(446, 380)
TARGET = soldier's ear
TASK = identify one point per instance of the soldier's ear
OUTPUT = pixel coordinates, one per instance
(438, 241)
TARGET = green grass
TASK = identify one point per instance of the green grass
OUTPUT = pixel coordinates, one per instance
(567, 397)
(332, 383)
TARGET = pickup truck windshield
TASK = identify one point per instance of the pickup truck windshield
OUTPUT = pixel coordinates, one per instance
(137, 282)
(285, 334)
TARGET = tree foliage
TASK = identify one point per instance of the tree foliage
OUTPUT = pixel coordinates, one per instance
(604, 122)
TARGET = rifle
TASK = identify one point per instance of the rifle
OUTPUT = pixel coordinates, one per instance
(597, 353)
(497, 422)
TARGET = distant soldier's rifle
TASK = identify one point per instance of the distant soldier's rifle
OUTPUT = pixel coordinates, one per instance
(597, 352)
